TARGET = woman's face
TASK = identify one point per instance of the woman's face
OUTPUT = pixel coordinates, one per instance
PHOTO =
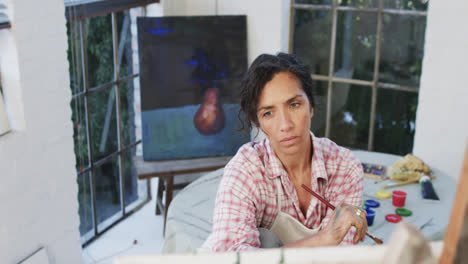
(284, 114)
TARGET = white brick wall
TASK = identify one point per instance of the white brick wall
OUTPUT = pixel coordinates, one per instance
(4, 123)
(38, 194)
(442, 116)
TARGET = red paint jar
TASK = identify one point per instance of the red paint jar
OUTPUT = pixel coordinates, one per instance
(399, 198)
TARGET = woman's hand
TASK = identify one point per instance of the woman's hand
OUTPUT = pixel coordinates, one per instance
(344, 217)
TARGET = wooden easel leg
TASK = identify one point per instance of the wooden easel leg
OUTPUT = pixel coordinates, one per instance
(169, 189)
(457, 229)
(159, 195)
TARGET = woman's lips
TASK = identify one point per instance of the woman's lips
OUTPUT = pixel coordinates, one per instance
(288, 140)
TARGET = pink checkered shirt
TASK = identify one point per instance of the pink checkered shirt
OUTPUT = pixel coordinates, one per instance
(247, 194)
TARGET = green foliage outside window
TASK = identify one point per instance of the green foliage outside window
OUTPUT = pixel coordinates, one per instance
(401, 52)
(102, 115)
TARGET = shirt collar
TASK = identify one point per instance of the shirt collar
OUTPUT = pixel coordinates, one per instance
(318, 161)
(275, 168)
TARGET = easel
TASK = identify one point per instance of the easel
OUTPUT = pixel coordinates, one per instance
(455, 243)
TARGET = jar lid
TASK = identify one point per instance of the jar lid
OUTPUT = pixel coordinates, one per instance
(372, 203)
(383, 194)
(393, 218)
(403, 212)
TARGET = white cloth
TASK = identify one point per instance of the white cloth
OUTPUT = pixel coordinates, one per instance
(190, 215)
(286, 227)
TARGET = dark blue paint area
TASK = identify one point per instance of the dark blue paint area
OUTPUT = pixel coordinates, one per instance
(201, 59)
(201, 81)
(192, 62)
(221, 75)
(159, 31)
(200, 62)
(171, 134)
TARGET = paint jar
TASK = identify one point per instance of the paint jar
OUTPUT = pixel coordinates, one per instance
(370, 216)
(427, 188)
(399, 198)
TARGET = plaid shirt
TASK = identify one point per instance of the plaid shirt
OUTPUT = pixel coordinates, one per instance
(247, 193)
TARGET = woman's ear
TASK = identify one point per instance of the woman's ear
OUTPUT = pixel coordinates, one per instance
(311, 111)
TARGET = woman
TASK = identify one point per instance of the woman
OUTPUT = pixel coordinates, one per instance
(260, 201)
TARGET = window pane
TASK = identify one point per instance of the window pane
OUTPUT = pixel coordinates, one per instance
(129, 101)
(74, 57)
(107, 186)
(360, 3)
(85, 207)
(319, 119)
(312, 38)
(103, 123)
(79, 133)
(355, 45)
(136, 191)
(395, 121)
(350, 115)
(420, 5)
(99, 50)
(402, 49)
(125, 51)
(314, 2)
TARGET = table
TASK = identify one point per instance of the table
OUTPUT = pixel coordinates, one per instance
(190, 215)
(166, 170)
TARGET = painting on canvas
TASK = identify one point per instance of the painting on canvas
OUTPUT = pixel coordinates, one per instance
(190, 72)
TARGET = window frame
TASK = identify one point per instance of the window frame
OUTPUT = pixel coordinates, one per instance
(375, 85)
(78, 12)
(4, 21)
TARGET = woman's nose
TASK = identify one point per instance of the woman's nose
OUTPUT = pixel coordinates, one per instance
(285, 121)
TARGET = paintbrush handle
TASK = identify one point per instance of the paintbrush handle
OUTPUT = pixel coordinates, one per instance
(394, 184)
(318, 197)
(376, 240)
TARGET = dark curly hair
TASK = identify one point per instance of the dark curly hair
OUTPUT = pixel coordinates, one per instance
(262, 70)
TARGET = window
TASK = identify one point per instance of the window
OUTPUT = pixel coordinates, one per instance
(4, 22)
(365, 57)
(104, 82)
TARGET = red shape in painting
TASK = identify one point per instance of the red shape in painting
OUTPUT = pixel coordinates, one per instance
(209, 118)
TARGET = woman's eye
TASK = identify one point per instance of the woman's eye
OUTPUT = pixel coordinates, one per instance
(295, 104)
(266, 114)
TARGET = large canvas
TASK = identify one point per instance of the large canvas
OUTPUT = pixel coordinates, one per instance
(190, 71)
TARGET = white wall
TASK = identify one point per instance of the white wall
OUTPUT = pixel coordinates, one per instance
(38, 193)
(267, 22)
(442, 115)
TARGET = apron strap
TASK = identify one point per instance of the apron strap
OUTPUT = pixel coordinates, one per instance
(279, 187)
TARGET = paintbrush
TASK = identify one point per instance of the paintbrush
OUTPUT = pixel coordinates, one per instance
(396, 184)
(376, 240)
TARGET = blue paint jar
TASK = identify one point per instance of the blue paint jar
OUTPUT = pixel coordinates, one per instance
(371, 203)
(370, 216)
